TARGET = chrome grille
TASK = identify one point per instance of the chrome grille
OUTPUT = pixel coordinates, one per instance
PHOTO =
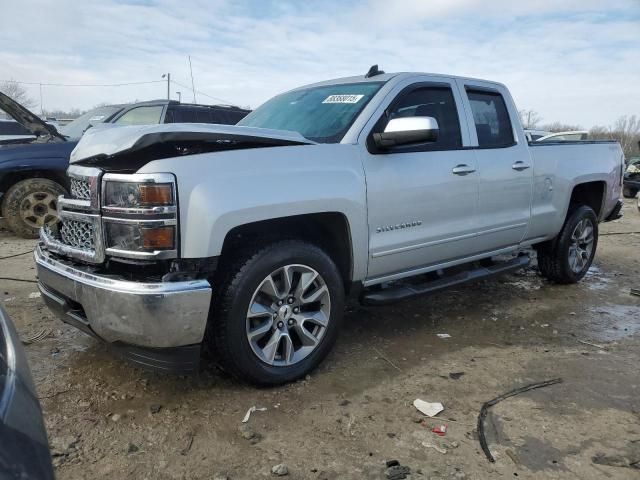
(77, 234)
(80, 189)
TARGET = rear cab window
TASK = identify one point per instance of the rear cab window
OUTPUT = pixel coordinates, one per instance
(491, 118)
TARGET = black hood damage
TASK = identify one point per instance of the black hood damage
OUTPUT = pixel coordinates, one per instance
(156, 145)
(29, 120)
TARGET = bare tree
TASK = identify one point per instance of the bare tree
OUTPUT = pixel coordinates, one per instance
(529, 118)
(561, 127)
(18, 93)
(625, 130)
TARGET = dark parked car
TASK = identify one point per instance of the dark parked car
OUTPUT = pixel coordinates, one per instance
(24, 449)
(632, 178)
(32, 171)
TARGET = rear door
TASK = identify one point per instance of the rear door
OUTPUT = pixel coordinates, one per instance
(505, 169)
(422, 199)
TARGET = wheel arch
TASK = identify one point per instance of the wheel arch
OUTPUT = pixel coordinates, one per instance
(591, 194)
(15, 176)
(328, 230)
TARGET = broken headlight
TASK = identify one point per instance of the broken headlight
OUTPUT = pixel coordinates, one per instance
(140, 216)
(137, 195)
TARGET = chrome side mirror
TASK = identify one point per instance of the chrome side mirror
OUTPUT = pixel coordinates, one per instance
(407, 130)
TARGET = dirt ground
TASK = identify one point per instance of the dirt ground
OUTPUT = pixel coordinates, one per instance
(107, 419)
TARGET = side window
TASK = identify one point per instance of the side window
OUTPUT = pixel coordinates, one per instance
(185, 114)
(141, 116)
(436, 102)
(490, 115)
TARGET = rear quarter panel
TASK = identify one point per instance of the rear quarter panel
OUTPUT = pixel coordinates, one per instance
(558, 168)
(222, 190)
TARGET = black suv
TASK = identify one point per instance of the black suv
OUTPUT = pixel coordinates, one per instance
(32, 169)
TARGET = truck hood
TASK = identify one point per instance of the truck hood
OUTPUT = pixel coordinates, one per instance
(27, 119)
(110, 145)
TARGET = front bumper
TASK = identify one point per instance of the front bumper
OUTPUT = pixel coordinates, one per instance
(157, 325)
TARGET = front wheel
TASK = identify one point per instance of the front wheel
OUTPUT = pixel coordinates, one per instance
(31, 204)
(278, 312)
(567, 258)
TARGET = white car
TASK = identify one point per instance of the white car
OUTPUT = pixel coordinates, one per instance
(570, 136)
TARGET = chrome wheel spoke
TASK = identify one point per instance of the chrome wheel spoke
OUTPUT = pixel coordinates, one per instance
(258, 309)
(269, 288)
(317, 318)
(305, 336)
(287, 279)
(316, 295)
(271, 348)
(288, 350)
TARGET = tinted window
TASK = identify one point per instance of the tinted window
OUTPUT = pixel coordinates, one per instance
(436, 102)
(323, 114)
(13, 128)
(490, 115)
(141, 116)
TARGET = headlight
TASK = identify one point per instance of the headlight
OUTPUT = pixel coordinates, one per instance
(139, 238)
(140, 215)
(136, 195)
(633, 168)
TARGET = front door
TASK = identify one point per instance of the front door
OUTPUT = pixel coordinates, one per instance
(422, 199)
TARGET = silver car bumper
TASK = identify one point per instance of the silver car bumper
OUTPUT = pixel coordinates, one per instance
(149, 315)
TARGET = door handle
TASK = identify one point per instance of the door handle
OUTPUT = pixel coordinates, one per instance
(462, 169)
(520, 166)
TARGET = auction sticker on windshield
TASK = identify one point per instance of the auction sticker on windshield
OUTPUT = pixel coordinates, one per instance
(343, 99)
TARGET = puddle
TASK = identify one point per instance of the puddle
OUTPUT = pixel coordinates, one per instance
(614, 322)
(596, 280)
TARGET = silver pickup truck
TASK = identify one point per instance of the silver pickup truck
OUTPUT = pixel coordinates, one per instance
(244, 241)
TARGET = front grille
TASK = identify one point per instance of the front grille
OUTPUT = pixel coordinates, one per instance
(80, 189)
(77, 234)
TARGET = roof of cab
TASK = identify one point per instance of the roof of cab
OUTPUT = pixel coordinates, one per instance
(385, 77)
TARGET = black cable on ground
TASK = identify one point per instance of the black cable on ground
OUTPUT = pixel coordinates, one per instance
(18, 280)
(485, 409)
(16, 255)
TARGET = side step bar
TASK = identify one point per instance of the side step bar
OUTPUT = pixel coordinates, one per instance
(399, 292)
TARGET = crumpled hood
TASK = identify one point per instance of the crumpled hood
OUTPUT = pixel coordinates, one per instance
(27, 119)
(109, 141)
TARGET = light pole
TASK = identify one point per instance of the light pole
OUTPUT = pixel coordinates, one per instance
(179, 97)
(168, 75)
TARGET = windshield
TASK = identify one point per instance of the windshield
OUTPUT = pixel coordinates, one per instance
(322, 114)
(76, 128)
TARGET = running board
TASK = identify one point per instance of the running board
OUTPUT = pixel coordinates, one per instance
(396, 293)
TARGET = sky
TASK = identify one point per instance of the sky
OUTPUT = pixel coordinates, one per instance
(573, 61)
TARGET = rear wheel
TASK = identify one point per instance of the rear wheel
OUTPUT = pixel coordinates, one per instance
(628, 192)
(278, 312)
(31, 204)
(567, 258)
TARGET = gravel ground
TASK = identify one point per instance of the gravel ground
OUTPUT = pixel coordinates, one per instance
(107, 419)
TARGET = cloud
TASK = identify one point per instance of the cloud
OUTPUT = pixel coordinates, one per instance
(573, 62)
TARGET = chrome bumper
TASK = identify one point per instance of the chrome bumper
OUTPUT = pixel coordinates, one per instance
(151, 315)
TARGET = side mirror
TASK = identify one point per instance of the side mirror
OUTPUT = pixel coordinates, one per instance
(407, 130)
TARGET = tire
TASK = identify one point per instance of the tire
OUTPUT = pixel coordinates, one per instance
(628, 192)
(31, 204)
(558, 260)
(244, 285)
